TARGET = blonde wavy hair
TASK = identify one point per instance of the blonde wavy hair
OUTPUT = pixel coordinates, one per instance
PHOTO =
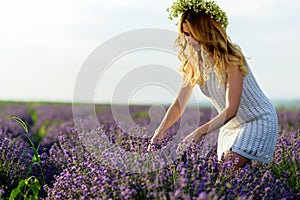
(217, 51)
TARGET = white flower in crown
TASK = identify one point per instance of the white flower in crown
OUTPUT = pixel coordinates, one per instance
(209, 7)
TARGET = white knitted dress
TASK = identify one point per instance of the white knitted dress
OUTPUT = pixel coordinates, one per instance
(253, 132)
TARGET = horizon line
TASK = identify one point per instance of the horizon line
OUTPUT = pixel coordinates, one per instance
(278, 103)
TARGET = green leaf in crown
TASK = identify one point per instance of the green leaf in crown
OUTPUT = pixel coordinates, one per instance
(209, 7)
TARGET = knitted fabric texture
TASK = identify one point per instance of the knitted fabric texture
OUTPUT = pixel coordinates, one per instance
(253, 132)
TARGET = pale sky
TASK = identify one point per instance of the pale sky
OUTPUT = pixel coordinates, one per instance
(45, 43)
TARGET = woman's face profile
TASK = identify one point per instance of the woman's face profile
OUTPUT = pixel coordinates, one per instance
(192, 41)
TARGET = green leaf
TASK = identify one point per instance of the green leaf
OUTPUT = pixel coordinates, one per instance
(18, 190)
(35, 187)
(33, 161)
(21, 122)
(14, 193)
(33, 116)
(31, 143)
(42, 130)
(32, 184)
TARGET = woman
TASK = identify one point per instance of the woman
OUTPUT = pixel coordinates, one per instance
(246, 118)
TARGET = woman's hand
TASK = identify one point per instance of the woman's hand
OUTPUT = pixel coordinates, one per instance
(157, 138)
(195, 136)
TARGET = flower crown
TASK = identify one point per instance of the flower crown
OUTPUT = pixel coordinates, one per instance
(209, 7)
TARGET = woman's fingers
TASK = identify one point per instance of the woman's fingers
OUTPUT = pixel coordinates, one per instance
(182, 147)
(187, 141)
(156, 139)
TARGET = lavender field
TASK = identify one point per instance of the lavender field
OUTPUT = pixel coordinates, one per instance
(49, 161)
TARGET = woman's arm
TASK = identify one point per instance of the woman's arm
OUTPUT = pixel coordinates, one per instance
(174, 112)
(233, 96)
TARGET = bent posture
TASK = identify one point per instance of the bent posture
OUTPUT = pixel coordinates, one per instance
(246, 118)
